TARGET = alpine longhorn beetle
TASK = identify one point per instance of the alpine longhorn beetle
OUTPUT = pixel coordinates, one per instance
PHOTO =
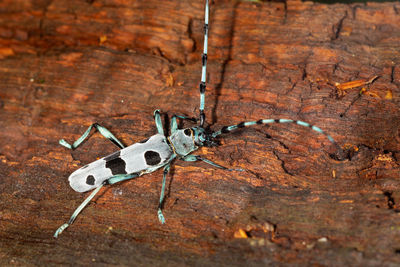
(157, 151)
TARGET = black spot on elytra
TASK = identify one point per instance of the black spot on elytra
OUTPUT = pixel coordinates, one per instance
(152, 157)
(187, 132)
(115, 163)
(90, 180)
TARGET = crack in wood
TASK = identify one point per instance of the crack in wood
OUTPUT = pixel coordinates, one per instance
(282, 164)
(338, 27)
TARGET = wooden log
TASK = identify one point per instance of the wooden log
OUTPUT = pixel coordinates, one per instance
(67, 64)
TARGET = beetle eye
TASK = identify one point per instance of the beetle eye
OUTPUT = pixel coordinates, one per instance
(187, 132)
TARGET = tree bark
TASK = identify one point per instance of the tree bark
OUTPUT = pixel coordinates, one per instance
(67, 64)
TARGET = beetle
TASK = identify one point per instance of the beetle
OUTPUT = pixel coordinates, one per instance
(158, 151)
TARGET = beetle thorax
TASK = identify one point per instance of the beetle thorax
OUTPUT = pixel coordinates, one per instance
(182, 142)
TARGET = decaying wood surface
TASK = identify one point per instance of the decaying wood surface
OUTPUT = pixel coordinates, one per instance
(66, 64)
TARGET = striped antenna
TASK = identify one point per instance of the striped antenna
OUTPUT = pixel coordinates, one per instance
(204, 67)
(227, 129)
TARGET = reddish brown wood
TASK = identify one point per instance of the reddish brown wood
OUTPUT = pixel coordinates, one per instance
(67, 64)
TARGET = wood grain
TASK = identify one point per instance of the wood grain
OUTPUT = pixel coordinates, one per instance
(66, 64)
